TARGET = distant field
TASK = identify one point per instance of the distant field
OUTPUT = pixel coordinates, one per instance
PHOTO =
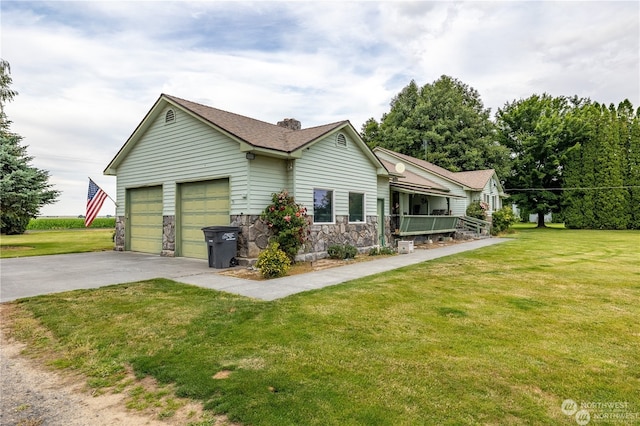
(46, 223)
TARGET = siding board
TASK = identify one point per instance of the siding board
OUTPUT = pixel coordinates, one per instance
(328, 166)
(186, 150)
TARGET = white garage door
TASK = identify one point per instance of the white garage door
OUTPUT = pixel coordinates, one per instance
(201, 204)
(145, 219)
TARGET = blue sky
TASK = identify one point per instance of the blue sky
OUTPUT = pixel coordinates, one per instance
(87, 71)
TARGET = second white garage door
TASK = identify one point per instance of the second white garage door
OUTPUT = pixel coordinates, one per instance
(201, 204)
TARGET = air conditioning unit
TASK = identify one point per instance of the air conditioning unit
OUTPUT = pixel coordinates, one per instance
(405, 247)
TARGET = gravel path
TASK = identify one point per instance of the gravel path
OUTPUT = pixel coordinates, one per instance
(32, 396)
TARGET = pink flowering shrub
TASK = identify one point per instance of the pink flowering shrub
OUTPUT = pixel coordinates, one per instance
(287, 222)
(478, 209)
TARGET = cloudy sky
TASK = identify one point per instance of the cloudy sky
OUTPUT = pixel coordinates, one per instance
(87, 72)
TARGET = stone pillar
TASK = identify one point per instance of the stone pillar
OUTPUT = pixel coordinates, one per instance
(120, 232)
(168, 236)
(253, 236)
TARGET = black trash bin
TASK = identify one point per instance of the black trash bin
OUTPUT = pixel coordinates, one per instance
(222, 245)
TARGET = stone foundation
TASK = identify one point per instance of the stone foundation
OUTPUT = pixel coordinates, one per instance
(423, 239)
(254, 237)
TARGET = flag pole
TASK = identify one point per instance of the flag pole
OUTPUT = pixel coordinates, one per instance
(108, 196)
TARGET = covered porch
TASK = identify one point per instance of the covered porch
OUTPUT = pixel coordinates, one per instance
(421, 210)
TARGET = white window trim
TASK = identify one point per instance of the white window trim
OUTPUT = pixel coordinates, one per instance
(364, 207)
(346, 142)
(333, 207)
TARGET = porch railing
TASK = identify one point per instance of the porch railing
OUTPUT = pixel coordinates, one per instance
(480, 227)
(426, 224)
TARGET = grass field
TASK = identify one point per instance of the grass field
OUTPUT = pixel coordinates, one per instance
(39, 243)
(501, 335)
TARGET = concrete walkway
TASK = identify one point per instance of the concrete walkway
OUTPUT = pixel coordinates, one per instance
(32, 276)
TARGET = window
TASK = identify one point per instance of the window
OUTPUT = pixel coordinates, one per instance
(322, 206)
(356, 207)
(341, 140)
(169, 117)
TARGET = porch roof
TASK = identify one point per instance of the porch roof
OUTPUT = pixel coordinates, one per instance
(414, 182)
(417, 189)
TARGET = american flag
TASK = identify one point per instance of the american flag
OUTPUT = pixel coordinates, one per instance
(95, 199)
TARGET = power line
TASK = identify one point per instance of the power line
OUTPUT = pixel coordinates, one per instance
(586, 188)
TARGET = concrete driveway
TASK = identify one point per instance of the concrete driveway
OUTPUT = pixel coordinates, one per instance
(32, 276)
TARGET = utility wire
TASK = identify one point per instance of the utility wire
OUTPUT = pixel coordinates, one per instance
(588, 188)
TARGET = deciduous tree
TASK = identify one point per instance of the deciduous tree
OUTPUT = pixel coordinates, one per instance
(444, 122)
(537, 132)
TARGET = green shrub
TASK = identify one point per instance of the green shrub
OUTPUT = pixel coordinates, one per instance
(378, 251)
(287, 222)
(502, 220)
(342, 251)
(478, 210)
(273, 262)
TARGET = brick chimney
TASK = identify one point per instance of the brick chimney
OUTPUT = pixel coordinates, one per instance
(290, 123)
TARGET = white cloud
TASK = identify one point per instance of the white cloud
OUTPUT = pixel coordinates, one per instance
(88, 72)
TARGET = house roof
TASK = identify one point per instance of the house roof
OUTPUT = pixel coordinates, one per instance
(474, 180)
(255, 132)
(253, 135)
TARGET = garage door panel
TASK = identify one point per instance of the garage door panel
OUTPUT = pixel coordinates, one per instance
(201, 204)
(145, 219)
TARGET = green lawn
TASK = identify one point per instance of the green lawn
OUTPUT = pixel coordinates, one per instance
(39, 243)
(501, 335)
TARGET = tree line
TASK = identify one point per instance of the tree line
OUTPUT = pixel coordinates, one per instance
(569, 156)
(564, 155)
(602, 177)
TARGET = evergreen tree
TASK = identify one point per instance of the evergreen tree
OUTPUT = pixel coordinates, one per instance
(24, 189)
(445, 123)
(604, 167)
(573, 200)
(630, 143)
(632, 177)
(611, 205)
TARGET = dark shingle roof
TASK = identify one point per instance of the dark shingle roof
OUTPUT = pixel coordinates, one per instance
(475, 179)
(255, 132)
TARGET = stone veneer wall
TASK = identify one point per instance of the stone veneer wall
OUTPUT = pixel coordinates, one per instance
(254, 236)
(119, 237)
(168, 236)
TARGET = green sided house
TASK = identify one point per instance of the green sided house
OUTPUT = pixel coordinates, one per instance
(187, 166)
(428, 199)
